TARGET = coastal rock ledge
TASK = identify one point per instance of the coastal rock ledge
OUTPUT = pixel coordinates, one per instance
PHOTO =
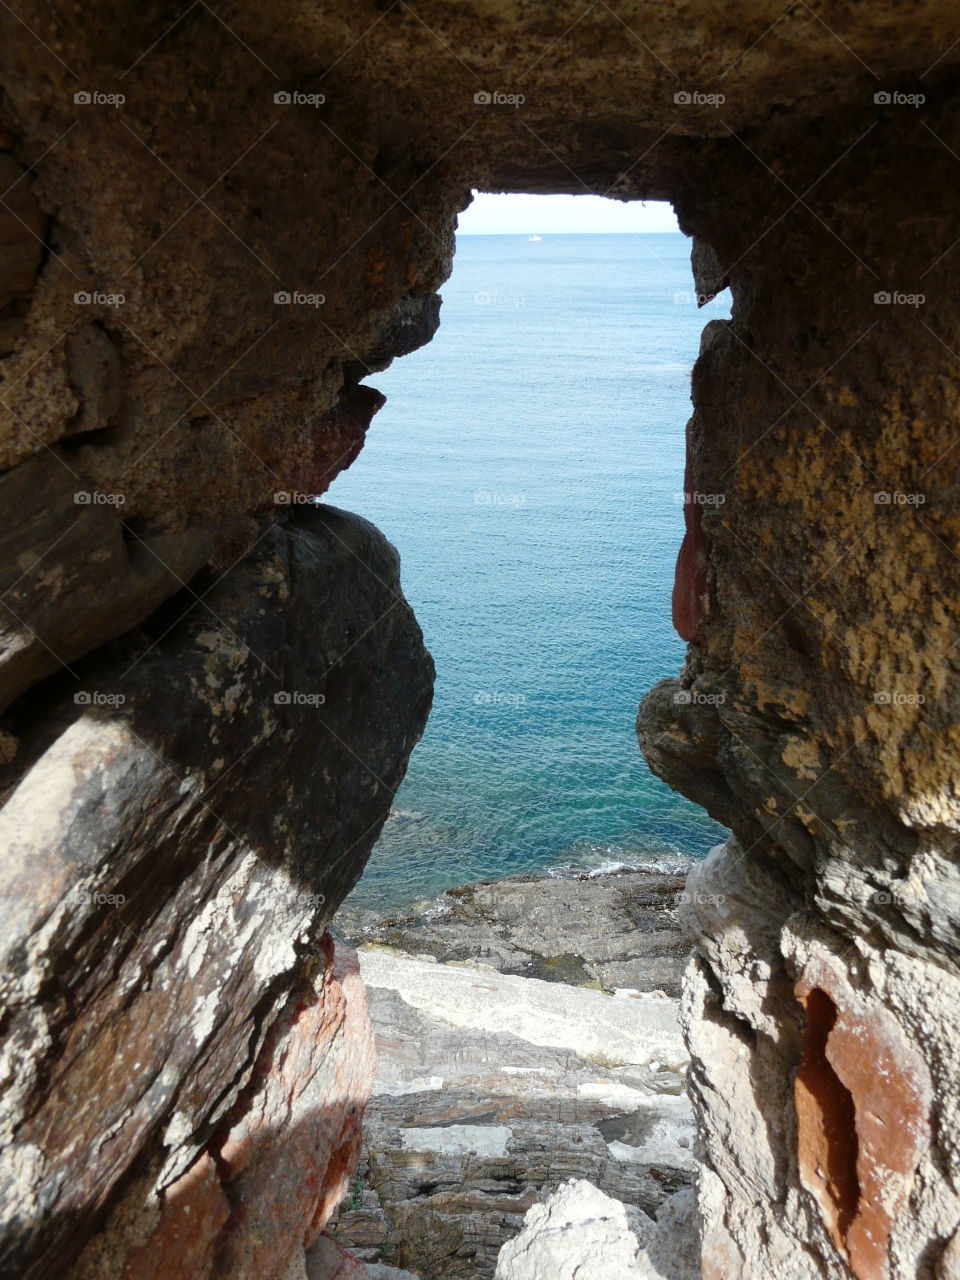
(530, 1063)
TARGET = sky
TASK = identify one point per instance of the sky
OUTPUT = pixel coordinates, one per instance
(540, 215)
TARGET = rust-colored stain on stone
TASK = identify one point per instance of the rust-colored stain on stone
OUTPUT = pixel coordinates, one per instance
(828, 1130)
(690, 590)
(194, 1212)
(287, 1155)
(691, 582)
(862, 1097)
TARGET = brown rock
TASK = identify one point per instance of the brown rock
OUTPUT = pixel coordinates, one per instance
(22, 229)
(253, 1203)
(287, 1158)
(182, 917)
(824, 197)
(194, 1211)
(72, 575)
(863, 1101)
(692, 582)
(93, 363)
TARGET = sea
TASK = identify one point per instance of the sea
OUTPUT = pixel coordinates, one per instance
(528, 466)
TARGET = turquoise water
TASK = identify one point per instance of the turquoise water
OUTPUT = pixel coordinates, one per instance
(527, 466)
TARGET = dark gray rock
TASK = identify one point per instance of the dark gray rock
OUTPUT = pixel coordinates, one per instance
(72, 574)
(397, 332)
(609, 931)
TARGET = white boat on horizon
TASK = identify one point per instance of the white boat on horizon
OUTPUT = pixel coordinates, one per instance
(534, 237)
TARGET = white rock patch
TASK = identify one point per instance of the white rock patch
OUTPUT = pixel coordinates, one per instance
(488, 1141)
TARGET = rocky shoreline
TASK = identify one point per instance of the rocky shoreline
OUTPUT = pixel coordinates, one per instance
(528, 1035)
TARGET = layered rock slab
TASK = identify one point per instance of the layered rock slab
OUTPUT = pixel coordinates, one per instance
(614, 931)
(494, 1088)
(814, 189)
(163, 918)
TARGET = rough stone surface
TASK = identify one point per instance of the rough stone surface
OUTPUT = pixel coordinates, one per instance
(615, 932)
(193, 276)
(494, 1088)
(578, 1231)
(162, 926)
(329, 1261)
(72, 575)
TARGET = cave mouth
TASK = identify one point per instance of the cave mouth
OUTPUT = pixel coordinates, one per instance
(528, 465)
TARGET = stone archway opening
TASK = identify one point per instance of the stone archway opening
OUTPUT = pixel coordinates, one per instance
(528, 465)
(182, 188)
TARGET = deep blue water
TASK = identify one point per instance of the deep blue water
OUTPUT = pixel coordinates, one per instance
(527, 466)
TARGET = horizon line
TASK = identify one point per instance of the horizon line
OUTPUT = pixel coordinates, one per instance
(677, 232)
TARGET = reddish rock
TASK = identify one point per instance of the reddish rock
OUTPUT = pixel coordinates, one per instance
(327, 444)
(328, 1261)
(193, 1215)
(863, 1098)
(691, 582)
(690, 589)
(288, 1151)
(294, 1141)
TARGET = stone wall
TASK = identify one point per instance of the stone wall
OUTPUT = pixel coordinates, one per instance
(200, 260)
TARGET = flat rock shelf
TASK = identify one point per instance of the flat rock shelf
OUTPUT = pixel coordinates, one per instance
(528, 1034)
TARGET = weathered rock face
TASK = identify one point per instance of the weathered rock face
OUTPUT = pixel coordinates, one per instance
(165, 351)
(494, 1088)
(816, 717)
(579, 1231)
(174, 842)
(617, 932)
